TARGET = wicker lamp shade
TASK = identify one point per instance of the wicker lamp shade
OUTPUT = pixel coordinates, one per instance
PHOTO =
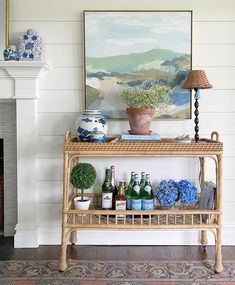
(197, 79)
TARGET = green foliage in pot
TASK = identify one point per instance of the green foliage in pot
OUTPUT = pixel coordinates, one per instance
(83, 176)
(156, 97)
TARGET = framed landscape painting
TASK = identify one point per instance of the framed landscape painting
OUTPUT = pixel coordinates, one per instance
(139, 50)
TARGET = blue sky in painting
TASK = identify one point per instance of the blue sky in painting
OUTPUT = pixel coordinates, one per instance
(115, 33)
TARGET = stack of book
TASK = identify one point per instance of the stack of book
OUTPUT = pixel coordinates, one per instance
(128, 137)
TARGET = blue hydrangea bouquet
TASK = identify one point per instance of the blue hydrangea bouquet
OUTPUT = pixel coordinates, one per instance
(170, 192)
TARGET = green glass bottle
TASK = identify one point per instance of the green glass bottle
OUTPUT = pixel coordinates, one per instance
(147, 195)
(128, 191)
(136, 195)
(107, 191)
(142, 181)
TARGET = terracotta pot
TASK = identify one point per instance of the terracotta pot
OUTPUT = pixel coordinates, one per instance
(140, 120)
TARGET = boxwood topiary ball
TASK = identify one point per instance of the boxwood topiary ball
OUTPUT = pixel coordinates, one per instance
(83, 175)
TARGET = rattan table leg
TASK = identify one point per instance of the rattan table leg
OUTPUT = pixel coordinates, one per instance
(218, 250)
(204, 240)
(73, 236)
(63, 253)
(218, 253)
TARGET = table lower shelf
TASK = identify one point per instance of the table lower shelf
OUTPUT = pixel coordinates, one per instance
(147, 220)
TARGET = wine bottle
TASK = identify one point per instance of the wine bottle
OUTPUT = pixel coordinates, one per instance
(107, 191)
(114, 187)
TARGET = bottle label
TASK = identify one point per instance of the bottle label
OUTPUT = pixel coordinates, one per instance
(136, 204)
(107, 200)
(147, 188)
(136, 188)
(148, 204)
(120, 205)
(128, 202)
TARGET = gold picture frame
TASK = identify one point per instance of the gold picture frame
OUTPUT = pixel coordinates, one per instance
(4, 23)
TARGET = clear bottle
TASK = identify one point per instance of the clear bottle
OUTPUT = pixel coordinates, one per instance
(114, 187)
(120, 201)
(136, 195)
(107, 191)
(147, 195)
(128, 191)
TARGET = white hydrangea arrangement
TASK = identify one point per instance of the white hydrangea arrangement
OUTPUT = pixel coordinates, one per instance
(157, 97)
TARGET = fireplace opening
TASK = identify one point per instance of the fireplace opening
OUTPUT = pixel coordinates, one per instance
(1, 189)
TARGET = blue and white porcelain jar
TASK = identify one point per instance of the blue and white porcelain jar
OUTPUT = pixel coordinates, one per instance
(91, 121)
(11, 53)
(31, 47)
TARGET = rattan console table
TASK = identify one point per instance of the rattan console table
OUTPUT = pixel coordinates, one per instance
(189, 219)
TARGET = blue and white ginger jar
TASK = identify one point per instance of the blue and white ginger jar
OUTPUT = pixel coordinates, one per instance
(31, 47)
(91, 121)
(11, 53)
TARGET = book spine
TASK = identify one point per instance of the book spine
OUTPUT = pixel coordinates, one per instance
(147, 138)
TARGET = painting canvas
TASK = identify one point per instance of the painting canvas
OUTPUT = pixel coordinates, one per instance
(137, 49)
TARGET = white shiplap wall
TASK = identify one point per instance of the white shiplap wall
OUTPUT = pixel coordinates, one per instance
(61, 98)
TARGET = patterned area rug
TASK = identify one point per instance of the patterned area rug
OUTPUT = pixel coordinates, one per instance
(115, 273)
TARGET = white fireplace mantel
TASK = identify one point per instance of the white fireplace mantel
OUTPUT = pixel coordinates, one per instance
(25, 91)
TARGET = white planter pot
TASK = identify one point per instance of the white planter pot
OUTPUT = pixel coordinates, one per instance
(81, 205)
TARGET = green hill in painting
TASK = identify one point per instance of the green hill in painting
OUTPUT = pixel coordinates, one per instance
(134, 61)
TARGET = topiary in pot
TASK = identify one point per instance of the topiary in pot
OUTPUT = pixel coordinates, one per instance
(83, 176)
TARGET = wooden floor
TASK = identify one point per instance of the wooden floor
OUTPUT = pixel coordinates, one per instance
(135, 253)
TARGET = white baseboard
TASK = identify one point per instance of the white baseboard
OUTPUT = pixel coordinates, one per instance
(26, 237)
(52, 236)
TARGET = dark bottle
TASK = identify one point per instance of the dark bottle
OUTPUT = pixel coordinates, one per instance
(136, 195)
(128, 191)
(147, 195)
(107, 192)
(114, 187)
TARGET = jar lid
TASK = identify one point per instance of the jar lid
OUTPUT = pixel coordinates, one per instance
(92, 112)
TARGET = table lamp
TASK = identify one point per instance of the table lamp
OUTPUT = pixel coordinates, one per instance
(196, 80)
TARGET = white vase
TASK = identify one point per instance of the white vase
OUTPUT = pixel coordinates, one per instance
(81, 205)
(91, 121)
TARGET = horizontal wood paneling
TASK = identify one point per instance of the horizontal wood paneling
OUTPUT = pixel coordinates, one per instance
(214, 33)
(69, 101)
(51, 169)
(222, 55)
(49, 215)
(65, 55)
(217, 101)
(58, 123)
(63, 78)
(51, 32)
(50, 146)
(209, 10)
(54, 101)
(50, 191)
